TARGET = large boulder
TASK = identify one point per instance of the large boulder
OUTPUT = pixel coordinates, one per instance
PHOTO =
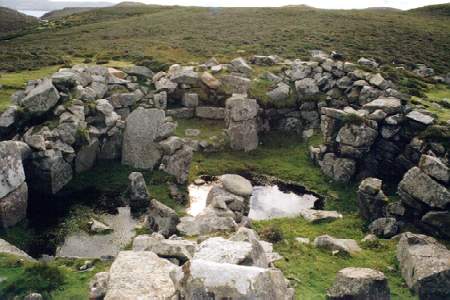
(240, 116)
(417, 189)
(13, 207)
(41, 99)
(211, 280)
(372, 201)
(220, 250)
(142, 275)
(162, 219)
(12, 174)
(142, 129)
(359, 284)
(425, 266)
(177, 248)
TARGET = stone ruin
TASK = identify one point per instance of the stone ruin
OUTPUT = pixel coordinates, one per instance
(64, 124)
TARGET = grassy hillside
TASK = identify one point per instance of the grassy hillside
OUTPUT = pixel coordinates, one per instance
(434, 10)
(184, 34)
(13, 21)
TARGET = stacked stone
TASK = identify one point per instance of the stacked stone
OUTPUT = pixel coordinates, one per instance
(425, 195)
(241, 121)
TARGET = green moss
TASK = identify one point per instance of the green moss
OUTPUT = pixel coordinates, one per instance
(312, 271)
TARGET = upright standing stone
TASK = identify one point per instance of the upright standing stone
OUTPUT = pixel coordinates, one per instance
(240, 116)
(13, 188)
(139, 147)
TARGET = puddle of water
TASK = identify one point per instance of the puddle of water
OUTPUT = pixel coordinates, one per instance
(81, 244)
(197, 197)
(268, 202)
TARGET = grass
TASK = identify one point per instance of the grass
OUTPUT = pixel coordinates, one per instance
(56, 280)
(139, 32)
(313, 270)
(208, 128)
(14, 81)
(434, 101)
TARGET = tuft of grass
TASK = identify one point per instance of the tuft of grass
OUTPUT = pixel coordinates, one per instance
(57, 280)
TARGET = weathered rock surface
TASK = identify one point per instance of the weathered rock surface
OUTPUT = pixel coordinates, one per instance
(142, 275)
(371, 200)
(434, 167)
(207, 279)
(338, 168)
(180, 249)
(138, 193)
(13, 207)
(359, 284)
(346, 246)
(384, 227)
(318, 216)
(178, 164)
(142, 129)
(7, 248)
(162, 219)
(237, 185)
(240, 116)
(425, 265)
(418, 186)
(220, 250)
(41, 99)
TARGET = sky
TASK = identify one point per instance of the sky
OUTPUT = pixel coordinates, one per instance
(332, 4)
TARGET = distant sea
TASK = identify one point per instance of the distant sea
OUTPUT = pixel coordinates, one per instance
(34, 13)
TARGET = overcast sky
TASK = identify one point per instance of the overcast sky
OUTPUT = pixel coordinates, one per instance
(337, 4)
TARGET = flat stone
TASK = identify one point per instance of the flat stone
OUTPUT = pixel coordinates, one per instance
(420, 117)
(359, 283)
(347, 246)
(237, 184)
(141, 275)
